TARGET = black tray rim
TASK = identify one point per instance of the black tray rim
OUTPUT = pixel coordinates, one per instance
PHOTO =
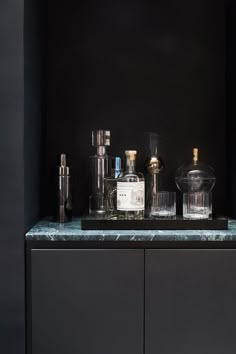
(178, 223)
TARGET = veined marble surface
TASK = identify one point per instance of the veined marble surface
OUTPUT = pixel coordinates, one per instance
(50, 231)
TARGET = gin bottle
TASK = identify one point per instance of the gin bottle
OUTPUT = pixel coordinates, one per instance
(130, 190)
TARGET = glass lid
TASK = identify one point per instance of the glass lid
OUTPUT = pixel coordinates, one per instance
(195, 177)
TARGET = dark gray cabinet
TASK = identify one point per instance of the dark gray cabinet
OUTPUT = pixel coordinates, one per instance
(190, 302)
(133, 301)
(87, 301)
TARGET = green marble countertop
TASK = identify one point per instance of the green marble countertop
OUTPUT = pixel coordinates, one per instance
(46, 230)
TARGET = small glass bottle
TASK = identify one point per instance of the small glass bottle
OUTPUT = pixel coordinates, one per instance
(130, 190)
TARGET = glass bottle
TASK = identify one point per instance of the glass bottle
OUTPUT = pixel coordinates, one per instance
(99, 169)
(110, 185)
(130, 190)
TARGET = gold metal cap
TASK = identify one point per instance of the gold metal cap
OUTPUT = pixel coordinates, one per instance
(195, 155)
(131, 154)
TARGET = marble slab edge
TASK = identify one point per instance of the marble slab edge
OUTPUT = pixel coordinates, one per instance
(46, 230)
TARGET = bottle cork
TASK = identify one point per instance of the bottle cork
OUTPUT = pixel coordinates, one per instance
(131, 154)
(195, 156)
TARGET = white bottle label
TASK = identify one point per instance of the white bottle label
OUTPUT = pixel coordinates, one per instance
(130, 196)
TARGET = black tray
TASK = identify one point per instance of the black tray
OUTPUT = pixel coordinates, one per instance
(216, 223)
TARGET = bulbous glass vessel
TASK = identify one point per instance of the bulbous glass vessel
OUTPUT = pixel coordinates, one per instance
(195, 177)
(196, 181)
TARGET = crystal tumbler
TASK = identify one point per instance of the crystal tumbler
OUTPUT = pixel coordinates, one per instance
(163, 205)
(197, 205)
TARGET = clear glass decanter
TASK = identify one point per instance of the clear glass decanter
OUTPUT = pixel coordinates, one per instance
(110, 184)
(196, 180)
(99, 169)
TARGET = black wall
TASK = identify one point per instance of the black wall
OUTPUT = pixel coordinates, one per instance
(35, 103)
(12, 177)
(21, 109)
(231, 106)
(131, 66)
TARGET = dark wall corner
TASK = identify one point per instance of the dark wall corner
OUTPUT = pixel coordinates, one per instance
(35, 87)
(12, 319)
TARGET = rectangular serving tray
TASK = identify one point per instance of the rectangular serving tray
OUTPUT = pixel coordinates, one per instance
(216, 223)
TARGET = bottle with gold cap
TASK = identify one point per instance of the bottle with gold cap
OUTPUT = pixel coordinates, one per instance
(130, 190)
(196, 180)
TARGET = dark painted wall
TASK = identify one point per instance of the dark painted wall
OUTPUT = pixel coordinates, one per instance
(35, 99)
(12, 177)
(231, 105)
(21, 116)
(131, 66)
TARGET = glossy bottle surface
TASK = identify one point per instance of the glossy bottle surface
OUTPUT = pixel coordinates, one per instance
(130, 191)
(110, 185)
(99, 170)
(64, 203)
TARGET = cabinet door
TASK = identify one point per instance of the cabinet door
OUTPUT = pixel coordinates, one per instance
(87, 301)
(190, 302)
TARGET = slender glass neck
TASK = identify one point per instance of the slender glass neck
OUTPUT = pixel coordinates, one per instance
(130, 165)
(101, 150)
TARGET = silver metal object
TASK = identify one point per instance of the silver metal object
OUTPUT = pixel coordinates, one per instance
(101, 137)
(64, 207)
(154, 165)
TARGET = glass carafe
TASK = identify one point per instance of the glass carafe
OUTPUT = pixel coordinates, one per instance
(196, 181)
